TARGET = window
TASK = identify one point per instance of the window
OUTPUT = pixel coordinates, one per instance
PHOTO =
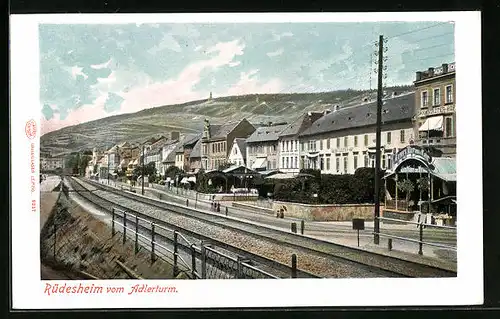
(355, 141)
(383, 161)
(312, 146)
(425, 99)
(320, 145)
(402, 136)
(448, 129)
(449, 93)
(338, 142)
(328, 163)
(388, 137)
(301, 162)
(283, 162)
(287, 146)
(366, 160)
(345, 141)
(328, 144)
(295, 162)
(366, 139)
(389, 161)
(437, 97)
(355, 161)
(322, 163)
(345, 164)
(337, 164)
(302, 146)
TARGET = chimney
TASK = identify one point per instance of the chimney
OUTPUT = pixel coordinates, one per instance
(419, 76)
(431, 71)
(445, 67)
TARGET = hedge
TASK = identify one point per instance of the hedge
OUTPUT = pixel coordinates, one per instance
(357, 188)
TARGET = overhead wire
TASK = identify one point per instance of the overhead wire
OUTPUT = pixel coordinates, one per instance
(417, 30)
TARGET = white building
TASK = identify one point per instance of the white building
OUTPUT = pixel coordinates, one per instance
(344, 140)
(262, 147)
(238, 152)
(288, 146)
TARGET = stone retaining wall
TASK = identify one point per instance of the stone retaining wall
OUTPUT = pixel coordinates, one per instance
(84, 243)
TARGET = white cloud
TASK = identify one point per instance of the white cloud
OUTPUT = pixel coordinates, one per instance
(167, 42)
(76, 70)
(233, 64)
(279, 36)
(275, 53)
(101, 66)
(250, 84)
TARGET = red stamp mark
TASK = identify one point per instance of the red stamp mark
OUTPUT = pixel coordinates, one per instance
(30, 129)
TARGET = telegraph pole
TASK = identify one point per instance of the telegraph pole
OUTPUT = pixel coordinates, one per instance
(376, 226)
(142, 170)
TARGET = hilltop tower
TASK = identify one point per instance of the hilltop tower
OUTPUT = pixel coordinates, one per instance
(210, 97)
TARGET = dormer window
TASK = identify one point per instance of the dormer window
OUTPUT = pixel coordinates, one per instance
(368, 115)
(385, 111)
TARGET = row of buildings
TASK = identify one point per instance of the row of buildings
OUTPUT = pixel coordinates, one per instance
(336, 141)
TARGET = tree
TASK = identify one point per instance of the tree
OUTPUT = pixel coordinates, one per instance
(406, 186)
(173, 171)
(149, 171)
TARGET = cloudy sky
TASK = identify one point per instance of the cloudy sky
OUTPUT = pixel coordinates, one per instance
(93, 71)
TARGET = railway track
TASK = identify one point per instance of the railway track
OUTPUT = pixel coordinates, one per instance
(276, 269)
(315, 256)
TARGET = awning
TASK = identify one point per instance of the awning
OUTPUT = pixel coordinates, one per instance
(281, 176)
(184, 180)
(312, 155)
(259, 163)
(192, 179)
(432, 123)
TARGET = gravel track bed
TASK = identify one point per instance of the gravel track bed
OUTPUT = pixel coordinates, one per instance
(305, 261)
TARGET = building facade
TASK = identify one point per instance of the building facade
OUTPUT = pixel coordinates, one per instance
(237, 154)
(435, 102)
(344, 140)
(262, 147)
(288, 142)
(217, 139)
(189, 144)
(195, 157)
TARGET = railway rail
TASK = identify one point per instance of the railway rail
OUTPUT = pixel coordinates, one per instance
(322, 258)
(265, 268)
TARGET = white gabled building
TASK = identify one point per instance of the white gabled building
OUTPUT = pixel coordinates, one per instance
(237, 155)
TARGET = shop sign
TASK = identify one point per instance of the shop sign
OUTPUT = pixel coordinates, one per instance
(411, 152)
